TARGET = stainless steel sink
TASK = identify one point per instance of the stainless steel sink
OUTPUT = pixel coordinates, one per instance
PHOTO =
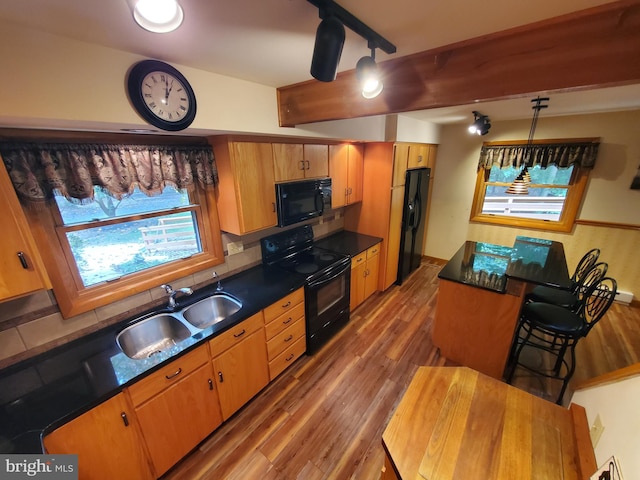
(211, 310)
(152, 335)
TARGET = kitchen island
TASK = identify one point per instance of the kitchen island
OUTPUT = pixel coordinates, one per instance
(480, 293)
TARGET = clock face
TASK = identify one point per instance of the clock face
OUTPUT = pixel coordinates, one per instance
(165, 96)
(161, 95)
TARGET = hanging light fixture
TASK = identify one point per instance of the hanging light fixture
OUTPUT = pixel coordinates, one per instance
(520, 185)
(368, 76)
(481, 124)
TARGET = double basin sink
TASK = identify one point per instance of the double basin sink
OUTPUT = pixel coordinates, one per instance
(153, 334)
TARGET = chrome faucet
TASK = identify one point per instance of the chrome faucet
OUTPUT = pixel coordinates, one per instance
(172, 294)
(216, 276)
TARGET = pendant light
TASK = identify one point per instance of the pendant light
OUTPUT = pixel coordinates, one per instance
(520, 185)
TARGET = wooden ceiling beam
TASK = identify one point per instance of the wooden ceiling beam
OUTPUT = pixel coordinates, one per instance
(594, 48)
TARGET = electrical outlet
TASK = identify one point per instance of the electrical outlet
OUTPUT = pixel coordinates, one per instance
(610, 470)
(234, 247)
(596, 431)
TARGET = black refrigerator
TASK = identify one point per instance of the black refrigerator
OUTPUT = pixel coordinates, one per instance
(416, 190)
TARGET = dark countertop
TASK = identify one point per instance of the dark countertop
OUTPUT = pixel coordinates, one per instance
(488, 266)
(43, 392)
(347, 243)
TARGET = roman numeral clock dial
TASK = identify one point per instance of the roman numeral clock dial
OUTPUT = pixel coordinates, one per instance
(161, 95)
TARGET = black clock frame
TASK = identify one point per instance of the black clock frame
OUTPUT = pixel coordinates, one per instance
(134, 88)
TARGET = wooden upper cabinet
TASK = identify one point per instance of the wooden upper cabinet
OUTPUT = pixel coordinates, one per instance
(107, 441)
(288, 161)
(400, 159)
(316, 159)
(246, 189)
(346, 163)
(421, 155)
(21, 268)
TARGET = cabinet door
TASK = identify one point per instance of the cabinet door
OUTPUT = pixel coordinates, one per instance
(358, 269)
(371, 273)
(419, 155)
(107, 441)
(255, 185)
(400, 160)
(354, 174)
(177, 419)
(21, 269)
(288, 161)
(316, 159)
(339, 172)
(241, 372)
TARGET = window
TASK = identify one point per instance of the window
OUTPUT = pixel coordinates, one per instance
(107, 250)
(555, 192)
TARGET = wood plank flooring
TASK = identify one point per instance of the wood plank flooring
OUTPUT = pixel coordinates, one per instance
(323, 418)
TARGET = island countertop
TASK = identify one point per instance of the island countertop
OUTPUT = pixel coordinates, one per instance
(489, 266)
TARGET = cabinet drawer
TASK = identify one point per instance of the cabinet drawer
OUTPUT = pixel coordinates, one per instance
(359, 259)
(286, 358)
(284, 339)
(149, 386)
(283, 305)
(236, 334)
(372, 251)
(285, 320)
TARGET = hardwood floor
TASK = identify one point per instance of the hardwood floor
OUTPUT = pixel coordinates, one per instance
(323, 418)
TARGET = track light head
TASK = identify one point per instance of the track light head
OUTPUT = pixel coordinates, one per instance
(481, 124)
(368, 76)
(328, 49)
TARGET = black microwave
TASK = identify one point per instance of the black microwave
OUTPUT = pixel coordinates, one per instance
(303, 200)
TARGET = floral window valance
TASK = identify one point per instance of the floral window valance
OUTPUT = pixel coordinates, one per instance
(41, 170)
(562, 154)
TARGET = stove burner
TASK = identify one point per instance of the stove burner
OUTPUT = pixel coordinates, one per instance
(306, 268)
(326, 256)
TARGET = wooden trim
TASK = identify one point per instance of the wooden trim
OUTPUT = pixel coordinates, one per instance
(599, 223)
(586, 456)
(546, 141)
(592, 48)
(611, 377)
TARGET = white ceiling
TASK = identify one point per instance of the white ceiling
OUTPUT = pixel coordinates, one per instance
(271, 41)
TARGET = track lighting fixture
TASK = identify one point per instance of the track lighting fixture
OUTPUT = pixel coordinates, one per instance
(480, 125)
(330, 40)
(368, 76)
(327, 49)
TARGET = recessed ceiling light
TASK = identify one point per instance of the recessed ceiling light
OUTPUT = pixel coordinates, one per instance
(159, 16)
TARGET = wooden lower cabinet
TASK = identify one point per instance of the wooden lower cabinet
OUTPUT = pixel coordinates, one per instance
(240, 363)
(176, 420)
(107, 440)
(364, 275)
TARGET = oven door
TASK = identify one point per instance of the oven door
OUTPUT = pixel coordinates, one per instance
(327, 303)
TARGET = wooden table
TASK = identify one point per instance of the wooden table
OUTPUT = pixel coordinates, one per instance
(456, 423)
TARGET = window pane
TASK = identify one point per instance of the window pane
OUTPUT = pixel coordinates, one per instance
(108, 252)
(105, 206)
(540, 203)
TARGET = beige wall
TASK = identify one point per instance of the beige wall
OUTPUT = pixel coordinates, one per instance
(608, 197)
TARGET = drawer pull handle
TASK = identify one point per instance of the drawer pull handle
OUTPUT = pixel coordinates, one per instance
(238, 335)
(290, 357)
(175, 374)
(286, 305)
(288, 320)
(220, 377)
(210, 384)
(125, 420)
(23, 260)
(289, 338)
(273, 206)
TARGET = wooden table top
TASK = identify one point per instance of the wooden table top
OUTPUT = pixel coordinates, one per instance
(456, 423)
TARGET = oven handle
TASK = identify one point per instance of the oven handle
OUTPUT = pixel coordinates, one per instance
(330, 275)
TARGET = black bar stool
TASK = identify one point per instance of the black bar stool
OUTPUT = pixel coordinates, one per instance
(569, 298)
(557, 330)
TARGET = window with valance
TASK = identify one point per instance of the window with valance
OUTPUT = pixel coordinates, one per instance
(114, 219)
(558, 170)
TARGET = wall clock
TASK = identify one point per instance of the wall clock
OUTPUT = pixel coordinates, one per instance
(161, 95)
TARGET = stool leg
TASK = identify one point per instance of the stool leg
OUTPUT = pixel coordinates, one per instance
(517, 350)
(570, 372)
